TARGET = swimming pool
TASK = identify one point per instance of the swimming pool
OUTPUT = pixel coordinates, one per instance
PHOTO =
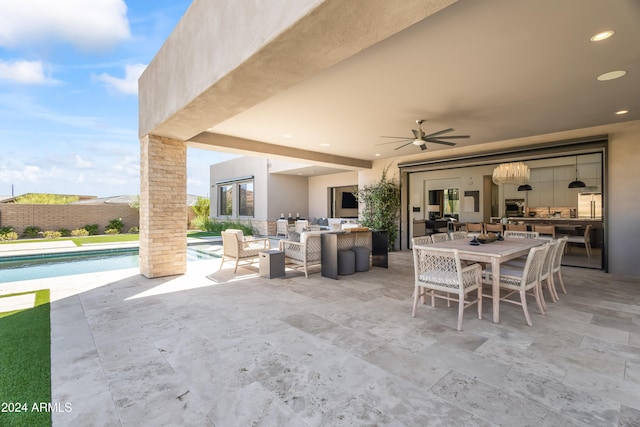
(65, 264)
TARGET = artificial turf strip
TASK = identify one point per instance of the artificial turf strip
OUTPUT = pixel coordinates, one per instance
(25, 364)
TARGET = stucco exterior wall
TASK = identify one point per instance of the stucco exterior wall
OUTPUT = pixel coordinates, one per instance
(288, 194)
(319, 191)
(238, 168)
(181, 71)
(623, 196)
(273, 193)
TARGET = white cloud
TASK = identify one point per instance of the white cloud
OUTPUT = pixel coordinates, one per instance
(127, 85)
(81, 163)
(26, 173)
(86, 24)
(24, 72)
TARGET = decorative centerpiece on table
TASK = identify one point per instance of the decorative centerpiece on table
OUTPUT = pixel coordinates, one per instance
(487, 238)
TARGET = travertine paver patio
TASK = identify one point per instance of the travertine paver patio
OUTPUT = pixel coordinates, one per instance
(236, 350)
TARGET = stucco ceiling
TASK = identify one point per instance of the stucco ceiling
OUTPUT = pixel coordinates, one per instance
(495, 70)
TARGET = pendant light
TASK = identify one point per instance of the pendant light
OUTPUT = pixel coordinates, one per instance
(577, 183)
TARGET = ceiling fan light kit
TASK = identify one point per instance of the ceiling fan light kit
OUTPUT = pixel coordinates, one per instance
(511, 173)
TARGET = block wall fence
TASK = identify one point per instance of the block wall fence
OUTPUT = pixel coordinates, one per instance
(71, 217)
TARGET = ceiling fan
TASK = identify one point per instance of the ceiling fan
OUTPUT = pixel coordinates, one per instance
(420, 138)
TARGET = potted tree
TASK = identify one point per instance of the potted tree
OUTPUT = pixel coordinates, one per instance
(381, 206)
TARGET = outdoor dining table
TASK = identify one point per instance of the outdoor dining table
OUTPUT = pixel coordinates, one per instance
(494, 253)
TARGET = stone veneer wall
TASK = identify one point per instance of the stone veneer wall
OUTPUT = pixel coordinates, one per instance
(71, 217)
(163, 217)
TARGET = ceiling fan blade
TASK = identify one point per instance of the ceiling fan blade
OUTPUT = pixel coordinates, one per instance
(401, 137)
(451, 137)
(437, 141)
(404, 145)
(440, 132)
(394, 142)
(423, 147)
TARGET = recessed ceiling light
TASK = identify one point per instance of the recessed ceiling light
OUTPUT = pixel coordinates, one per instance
(611, 75)
(622, 112)
(324, 144)
(288, 135)
(602, 36)
(377, 154)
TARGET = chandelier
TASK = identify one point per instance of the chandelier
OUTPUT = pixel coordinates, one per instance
(511, 173)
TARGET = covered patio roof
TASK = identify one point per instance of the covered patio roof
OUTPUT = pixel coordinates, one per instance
(323, 81)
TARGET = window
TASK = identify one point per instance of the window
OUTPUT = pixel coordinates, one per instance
(235, 197)
(225, 200)
(245, 199)
(451, 201)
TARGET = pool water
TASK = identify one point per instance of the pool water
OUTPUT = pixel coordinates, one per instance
(55, 265)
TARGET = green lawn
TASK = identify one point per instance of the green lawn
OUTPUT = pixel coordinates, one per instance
(199, 234)
(25, 364)
(79, 241)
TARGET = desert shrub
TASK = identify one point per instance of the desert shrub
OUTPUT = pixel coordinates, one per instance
(134, 230)
(51, 234)
(92, 229)
(64, 232)
(115, 224)
(80, 232)
(203, 223)
(32, 232)
(10, 235)
(213, 226)
(202, 206)
(111, 231)
(45, 199)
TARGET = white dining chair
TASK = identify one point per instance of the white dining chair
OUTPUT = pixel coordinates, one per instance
(439, 270)
(440, 237)
(522, 281)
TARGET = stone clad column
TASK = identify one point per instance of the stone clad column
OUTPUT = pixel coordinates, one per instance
(163, 206)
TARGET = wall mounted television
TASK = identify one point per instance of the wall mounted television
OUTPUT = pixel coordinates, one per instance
(349, 201)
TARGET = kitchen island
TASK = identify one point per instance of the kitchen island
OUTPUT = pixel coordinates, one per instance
(574, 225)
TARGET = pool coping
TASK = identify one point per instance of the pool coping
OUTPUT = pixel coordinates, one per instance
(19, 251)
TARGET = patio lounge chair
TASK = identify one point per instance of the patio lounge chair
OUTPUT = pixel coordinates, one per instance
(236, 246)
(304, 253)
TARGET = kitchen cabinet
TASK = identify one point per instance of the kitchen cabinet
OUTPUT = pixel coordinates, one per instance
(562, 194)
(541, 175)
(541, 195)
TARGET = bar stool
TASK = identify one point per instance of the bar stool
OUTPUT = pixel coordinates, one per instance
(346, 262)
(362, 258)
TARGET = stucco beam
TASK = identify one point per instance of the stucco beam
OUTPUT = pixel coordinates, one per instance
(250, 147)
(213, 68)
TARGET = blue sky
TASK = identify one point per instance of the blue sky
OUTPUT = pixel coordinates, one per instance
(68, 95)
